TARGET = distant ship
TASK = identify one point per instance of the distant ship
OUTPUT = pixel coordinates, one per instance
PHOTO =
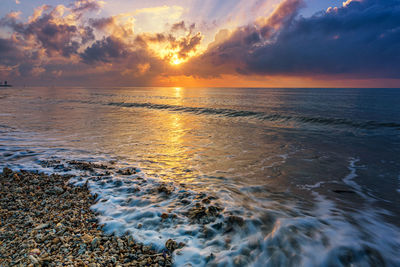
(5, 84)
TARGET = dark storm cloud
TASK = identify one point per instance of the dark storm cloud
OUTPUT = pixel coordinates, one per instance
(53, 37)
(6, 47)
(9, 53)
(230, 56)
(360, 38)
(49, 40)
(15, 61)
(105, 50)
(50, 32)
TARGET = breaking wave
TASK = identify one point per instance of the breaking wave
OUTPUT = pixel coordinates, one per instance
(276, 117)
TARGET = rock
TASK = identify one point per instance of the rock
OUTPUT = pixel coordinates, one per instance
(7, 171)
(213, 210)
(58, 190)
(146, 249)
(16, 177)
(164, 216)
(171, 245)
(160, 260)
(165, 189)
(35, 252)
(55, 241)
(130, 240)
(239, 261)
(80, 165)
(95, 243)
(197, 213)
(235, 220)
(87, 238)
(34, 260)
(42, 226)
(82, 249)
(127, 171)
(120, 244)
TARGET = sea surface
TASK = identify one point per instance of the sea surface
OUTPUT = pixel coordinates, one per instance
(241, 176)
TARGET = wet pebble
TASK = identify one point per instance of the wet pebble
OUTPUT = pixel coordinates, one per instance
(45, 222)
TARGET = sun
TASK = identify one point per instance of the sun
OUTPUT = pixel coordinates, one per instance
(175, 60)
(170, 55)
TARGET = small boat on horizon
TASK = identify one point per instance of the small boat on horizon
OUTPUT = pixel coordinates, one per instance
(5, 84)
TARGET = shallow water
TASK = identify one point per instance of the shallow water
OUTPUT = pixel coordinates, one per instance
(297, 176)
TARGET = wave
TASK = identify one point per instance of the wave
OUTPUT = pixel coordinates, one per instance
(275, 117)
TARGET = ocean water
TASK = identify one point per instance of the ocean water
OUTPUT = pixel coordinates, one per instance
(243, 177)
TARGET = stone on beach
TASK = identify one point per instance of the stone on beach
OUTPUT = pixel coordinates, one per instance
(40, 228)
(127, 171)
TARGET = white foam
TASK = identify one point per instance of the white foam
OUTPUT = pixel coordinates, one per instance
(349, 178)
(275, 231)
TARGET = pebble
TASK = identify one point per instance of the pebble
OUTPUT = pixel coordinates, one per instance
(40, 228)
(33, 259)
(95, 243)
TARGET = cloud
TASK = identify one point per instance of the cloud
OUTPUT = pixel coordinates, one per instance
(54, 29)
(230, 51)
(121, 26)
(359, 39)
(63, 42)
(87, 5)
(55, 38)
(181, 26)
(105, 50)
(14, 15)
(9, 53)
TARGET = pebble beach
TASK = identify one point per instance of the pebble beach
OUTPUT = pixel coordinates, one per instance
(45, 221)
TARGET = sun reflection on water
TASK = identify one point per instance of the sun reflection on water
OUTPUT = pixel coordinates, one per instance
(175, 154)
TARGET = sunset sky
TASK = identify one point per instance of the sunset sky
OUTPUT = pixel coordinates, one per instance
(250, 43)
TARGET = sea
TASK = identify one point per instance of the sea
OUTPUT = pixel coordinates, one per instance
(238, 176)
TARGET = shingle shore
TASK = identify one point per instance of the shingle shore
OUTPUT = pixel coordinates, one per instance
(44, 221)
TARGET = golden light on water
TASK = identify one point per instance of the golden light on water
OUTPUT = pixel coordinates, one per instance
(174, 154)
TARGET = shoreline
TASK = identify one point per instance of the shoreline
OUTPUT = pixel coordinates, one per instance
(45, 221)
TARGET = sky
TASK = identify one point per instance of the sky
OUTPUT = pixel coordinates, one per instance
(196, 43)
